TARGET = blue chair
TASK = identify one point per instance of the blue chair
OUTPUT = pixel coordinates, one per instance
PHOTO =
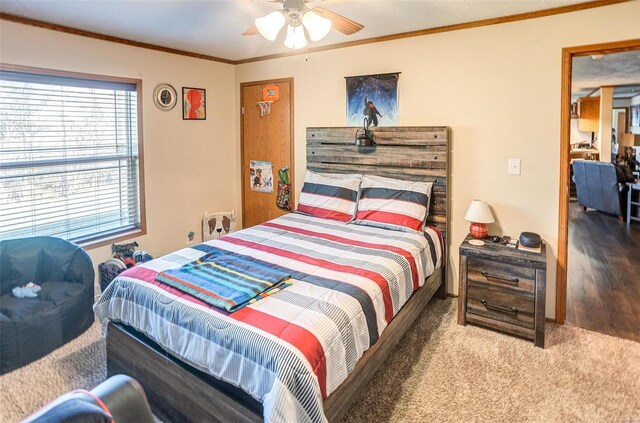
(599, 187)
(33, 327)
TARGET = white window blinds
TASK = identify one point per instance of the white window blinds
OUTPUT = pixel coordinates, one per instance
(69, 161)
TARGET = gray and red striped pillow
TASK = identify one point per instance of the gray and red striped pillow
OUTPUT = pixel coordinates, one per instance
(329, 196)
(393, 204)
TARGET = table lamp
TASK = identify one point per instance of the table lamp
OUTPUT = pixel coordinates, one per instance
(479, 215)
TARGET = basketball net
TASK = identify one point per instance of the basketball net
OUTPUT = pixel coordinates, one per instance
(265, 107)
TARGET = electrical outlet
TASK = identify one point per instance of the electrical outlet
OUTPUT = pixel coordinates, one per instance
(514, 166)
(190, 237)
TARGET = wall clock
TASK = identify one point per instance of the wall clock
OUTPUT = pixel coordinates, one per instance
(165, 97)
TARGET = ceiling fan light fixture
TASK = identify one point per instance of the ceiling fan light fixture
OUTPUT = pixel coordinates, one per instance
(269, 26)
(317, 26)
(295, 37)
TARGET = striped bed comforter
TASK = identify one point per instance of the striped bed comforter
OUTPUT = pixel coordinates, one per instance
(292, 349)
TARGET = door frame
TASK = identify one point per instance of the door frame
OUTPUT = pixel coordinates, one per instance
(292, 166)
(565, 133)
(626, 118)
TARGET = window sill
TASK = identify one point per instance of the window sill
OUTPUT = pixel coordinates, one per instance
(121, 236)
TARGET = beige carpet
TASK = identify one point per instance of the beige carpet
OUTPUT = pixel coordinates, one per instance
(440, 372)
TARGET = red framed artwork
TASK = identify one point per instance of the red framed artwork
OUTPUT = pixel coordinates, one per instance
(194, 105)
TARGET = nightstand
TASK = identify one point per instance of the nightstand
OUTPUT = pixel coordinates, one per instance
(503, 288)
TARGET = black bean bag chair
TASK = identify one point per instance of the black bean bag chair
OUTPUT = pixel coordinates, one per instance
(33, 327)
(121, 400)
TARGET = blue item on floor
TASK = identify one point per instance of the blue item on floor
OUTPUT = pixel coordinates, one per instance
(142, 256)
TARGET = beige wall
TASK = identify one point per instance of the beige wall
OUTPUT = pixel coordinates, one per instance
(605, 124)
(187, 163)
(497, 87)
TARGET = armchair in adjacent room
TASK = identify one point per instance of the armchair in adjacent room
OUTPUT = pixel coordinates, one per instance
(599, 187)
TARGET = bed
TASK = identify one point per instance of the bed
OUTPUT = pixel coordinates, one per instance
(303, 353)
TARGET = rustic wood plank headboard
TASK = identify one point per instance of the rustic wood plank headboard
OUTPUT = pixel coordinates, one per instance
(414, 153)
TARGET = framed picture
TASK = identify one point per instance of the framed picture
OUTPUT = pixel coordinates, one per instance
(374, 97)
(635, 115)
(261, 176)
(194, 103)
(165, 97)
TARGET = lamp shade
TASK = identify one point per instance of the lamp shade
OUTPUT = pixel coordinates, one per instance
(295, 37)
(269, 26)
(317, 26)
(479, 212)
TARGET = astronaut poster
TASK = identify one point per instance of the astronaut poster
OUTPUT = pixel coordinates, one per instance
(374, 97)
(261, 176)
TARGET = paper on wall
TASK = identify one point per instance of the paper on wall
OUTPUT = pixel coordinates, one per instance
(261, 176)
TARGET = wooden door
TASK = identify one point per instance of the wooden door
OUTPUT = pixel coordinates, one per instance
(265, 138)
(622, 124)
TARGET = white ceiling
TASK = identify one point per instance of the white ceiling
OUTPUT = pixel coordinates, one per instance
(214, 27)
(621, 70)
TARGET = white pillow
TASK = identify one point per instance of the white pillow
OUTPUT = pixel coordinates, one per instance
(329, 196)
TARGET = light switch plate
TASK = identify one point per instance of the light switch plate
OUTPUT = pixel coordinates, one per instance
(514, 166)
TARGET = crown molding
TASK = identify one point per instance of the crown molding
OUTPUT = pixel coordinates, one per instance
(104, 37)
(380, 39)
(446, 28)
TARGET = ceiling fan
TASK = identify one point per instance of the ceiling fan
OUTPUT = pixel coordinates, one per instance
(301, 21)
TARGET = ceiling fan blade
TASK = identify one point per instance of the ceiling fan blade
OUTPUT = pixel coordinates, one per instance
(340, 23)
(251, 31)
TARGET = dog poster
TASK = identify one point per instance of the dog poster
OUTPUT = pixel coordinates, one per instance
(261, 176)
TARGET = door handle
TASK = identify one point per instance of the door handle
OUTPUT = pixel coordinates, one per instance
(511, 279)
(500, 308)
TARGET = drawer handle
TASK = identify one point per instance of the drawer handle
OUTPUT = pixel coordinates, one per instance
(512, 310)
(499, 278)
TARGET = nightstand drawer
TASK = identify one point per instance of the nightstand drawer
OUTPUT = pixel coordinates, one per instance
(502, 304)
(501, 274)
(503, 289)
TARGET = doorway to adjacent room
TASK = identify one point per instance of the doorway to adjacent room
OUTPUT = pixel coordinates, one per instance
(598, 279)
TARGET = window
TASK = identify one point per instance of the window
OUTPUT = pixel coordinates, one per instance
(69, 156)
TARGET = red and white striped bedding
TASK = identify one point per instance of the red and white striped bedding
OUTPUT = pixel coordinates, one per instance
(393, 204)
(292, 349)
(330, 196)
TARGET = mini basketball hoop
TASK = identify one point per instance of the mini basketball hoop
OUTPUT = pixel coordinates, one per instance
(265, 107)
(271, 92)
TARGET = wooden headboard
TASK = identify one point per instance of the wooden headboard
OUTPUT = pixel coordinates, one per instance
(415, 153)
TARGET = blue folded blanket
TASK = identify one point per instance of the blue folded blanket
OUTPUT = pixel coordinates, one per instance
(229, 282)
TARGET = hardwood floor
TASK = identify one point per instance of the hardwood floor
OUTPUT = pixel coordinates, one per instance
(603, 274)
